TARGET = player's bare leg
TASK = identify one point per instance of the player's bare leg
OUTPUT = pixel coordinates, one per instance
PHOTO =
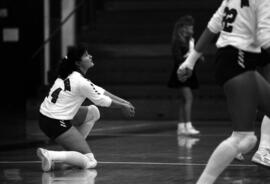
(238, 92)
(81, 156)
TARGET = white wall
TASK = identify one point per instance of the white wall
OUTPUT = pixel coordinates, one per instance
(46, 5)
(68, 29)
(67, 32)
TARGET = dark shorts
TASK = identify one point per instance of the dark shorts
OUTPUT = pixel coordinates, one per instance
(53, 127)
(264, 59)
(231, 62)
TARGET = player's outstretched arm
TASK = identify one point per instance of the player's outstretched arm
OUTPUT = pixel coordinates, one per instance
(116, 98)
(120, 100)
(205, 39)
(127, 108)
(185, 69)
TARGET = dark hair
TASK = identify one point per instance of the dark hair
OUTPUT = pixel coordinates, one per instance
(68, 63)
(186, 20)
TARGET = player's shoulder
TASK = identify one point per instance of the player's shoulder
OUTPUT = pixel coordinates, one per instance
(58, 82)
(79, 79)
(76, 76)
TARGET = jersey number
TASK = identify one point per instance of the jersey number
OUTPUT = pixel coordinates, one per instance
(228, 19)
(56, 92)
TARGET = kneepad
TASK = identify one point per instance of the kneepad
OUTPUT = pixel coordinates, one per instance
(242, 141)
(93, 113)
(247, 143)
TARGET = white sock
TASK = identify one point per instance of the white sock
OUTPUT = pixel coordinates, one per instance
(70, 157)
(265, 133)
(219, 160)
(189, 125)
(181, 125)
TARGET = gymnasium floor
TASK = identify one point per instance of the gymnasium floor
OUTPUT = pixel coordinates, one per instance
(145, 157)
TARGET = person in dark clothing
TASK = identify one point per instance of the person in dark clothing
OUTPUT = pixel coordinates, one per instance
(182, 44)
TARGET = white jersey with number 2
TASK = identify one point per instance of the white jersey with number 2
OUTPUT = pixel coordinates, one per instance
(244, 24)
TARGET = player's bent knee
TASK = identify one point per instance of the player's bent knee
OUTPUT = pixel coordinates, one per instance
(247, 143)
(243, 142)
(93, 112)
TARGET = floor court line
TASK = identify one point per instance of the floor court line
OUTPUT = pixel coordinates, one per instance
(96, 131)
(156, 135)
(136, 163)
(123, 127)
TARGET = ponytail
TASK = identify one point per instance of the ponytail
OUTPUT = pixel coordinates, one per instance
(68, 63)
(66, 67)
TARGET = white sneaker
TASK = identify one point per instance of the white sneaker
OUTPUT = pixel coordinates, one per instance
(262, 157)
(46, 161)
(191, 130)
(181, 129)
(93, 164)
(93, 161)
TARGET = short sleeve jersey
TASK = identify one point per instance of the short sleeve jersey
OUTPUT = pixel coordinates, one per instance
(244, 24)
(66, 96)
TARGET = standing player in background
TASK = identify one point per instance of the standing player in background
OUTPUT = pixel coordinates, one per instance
(182, 44)
(64, 120)
(244, 27)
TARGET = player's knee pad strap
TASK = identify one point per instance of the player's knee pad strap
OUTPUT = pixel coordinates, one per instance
(93, 113)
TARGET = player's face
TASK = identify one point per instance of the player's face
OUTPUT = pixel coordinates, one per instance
(188, 31)
(86, 61)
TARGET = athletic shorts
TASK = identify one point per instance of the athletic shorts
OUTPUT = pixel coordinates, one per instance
(231, 62)
(264, 59)
(53, 127)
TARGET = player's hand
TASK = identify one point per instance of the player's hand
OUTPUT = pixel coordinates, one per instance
(128, 110)
(184, 71)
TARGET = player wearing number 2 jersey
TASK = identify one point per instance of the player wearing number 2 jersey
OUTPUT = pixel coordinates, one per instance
(244, 28)
(64, 120)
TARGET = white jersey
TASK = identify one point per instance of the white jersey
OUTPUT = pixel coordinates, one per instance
(66, 97)
(244, 24)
